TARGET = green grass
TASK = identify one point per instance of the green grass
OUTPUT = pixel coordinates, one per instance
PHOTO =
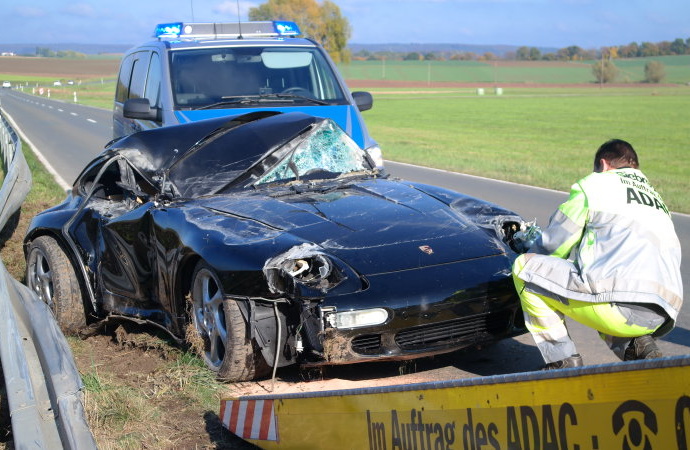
(97, 92)
(464, 72)
(677, 70)
(44, 193)
(539, 137)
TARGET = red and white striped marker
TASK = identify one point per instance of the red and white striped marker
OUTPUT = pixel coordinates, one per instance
(250, 419)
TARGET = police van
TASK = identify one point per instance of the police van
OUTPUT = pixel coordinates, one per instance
(196, 71)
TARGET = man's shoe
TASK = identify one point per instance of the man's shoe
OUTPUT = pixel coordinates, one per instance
(571, 361)
(643, 347)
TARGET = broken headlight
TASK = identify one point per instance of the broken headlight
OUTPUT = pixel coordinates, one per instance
(376, 156)
(306, 271)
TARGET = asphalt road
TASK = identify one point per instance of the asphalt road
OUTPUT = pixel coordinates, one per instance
(70, 135)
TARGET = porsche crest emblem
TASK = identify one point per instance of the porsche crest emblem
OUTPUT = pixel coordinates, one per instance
(426, 249)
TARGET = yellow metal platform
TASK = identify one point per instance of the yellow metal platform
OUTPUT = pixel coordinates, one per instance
(631, 405)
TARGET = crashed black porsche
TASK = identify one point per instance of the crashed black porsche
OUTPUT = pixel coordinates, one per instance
(275, 237)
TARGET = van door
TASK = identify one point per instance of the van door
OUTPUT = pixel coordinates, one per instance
(140, 77)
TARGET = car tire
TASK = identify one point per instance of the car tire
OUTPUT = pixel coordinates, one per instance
(227, 348)
(51, 276)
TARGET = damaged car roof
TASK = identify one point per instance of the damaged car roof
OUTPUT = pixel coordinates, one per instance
(228, 149)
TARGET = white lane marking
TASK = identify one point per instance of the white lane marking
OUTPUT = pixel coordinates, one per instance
(74, 114)
(91, 120)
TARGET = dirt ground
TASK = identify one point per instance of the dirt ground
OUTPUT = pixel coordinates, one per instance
(143, 368)
(128, 357)
(58, 67)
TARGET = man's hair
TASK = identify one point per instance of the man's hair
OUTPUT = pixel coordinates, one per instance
(617, 153)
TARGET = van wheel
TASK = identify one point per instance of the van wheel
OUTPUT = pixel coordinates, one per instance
(50, 274)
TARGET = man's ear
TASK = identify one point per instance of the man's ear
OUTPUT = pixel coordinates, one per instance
(605, 165)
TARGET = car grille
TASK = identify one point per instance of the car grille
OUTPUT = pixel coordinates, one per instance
(470, 329)
(369, 344)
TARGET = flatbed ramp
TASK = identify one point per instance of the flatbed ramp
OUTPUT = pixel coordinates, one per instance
(631, 405)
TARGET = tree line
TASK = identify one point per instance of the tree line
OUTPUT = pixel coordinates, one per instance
(525, 53)
(48, 53)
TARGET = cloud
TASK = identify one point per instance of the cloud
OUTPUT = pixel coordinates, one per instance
(30, 11)
(229, 9)
(80, 10)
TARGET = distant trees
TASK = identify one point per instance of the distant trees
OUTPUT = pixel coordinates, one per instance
(412, 56)
(323, 22)
(528, 54)
(654, 72)
(48, 53)
(462, 56)
(647, 49)
(678, 47)
(570, 53)
(605, 71)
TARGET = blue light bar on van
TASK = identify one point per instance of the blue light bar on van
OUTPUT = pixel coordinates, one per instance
(285, 28)
(231, 30)
(172, 30)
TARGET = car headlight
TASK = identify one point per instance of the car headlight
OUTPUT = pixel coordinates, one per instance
(356, 318)
(303, 266)
(376, 156)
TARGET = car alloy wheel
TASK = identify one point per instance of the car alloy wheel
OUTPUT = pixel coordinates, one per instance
(50, 274)
(209, 315)
(228, 349)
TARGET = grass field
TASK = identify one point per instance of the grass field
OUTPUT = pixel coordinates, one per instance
(540, 137)
(677, 70)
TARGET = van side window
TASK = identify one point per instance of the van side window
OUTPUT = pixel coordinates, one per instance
(140, 68)
(153, 80)
(122, 90)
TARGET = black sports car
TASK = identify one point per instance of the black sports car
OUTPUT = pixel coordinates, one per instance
(274, 237)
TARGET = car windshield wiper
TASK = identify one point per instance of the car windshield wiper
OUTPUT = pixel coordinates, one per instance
(243, 100)
(292, 97)
(266, 98)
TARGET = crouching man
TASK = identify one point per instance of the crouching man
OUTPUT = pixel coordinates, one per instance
(609, 259)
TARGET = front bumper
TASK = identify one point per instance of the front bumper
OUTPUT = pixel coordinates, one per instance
(432, 310)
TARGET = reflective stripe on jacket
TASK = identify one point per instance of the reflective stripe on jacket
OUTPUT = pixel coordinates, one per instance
(623, 243)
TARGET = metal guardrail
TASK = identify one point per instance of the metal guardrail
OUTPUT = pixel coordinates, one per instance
(44, 389)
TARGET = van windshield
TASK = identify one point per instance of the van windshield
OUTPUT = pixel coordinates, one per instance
(235, 77)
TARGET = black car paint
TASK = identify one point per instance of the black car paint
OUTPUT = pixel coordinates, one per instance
(405, 247)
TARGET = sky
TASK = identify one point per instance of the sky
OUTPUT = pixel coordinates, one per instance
(590, 24)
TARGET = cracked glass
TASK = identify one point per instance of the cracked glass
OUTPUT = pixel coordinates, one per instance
(327, 150)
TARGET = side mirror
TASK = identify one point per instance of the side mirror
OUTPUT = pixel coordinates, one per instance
(140, 108)
(363, 100)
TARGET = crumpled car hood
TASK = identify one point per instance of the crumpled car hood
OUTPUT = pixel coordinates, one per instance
(376, 226)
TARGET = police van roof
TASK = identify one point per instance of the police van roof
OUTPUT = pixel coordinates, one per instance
(230, 30)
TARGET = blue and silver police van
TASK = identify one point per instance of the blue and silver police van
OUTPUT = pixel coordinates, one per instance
(196, 71)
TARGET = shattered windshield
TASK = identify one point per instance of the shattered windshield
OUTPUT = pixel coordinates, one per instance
(280, 147)
(326, 152)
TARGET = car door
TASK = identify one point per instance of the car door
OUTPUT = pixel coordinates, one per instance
(113, 229)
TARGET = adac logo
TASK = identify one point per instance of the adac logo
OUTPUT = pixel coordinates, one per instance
(426, 249)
